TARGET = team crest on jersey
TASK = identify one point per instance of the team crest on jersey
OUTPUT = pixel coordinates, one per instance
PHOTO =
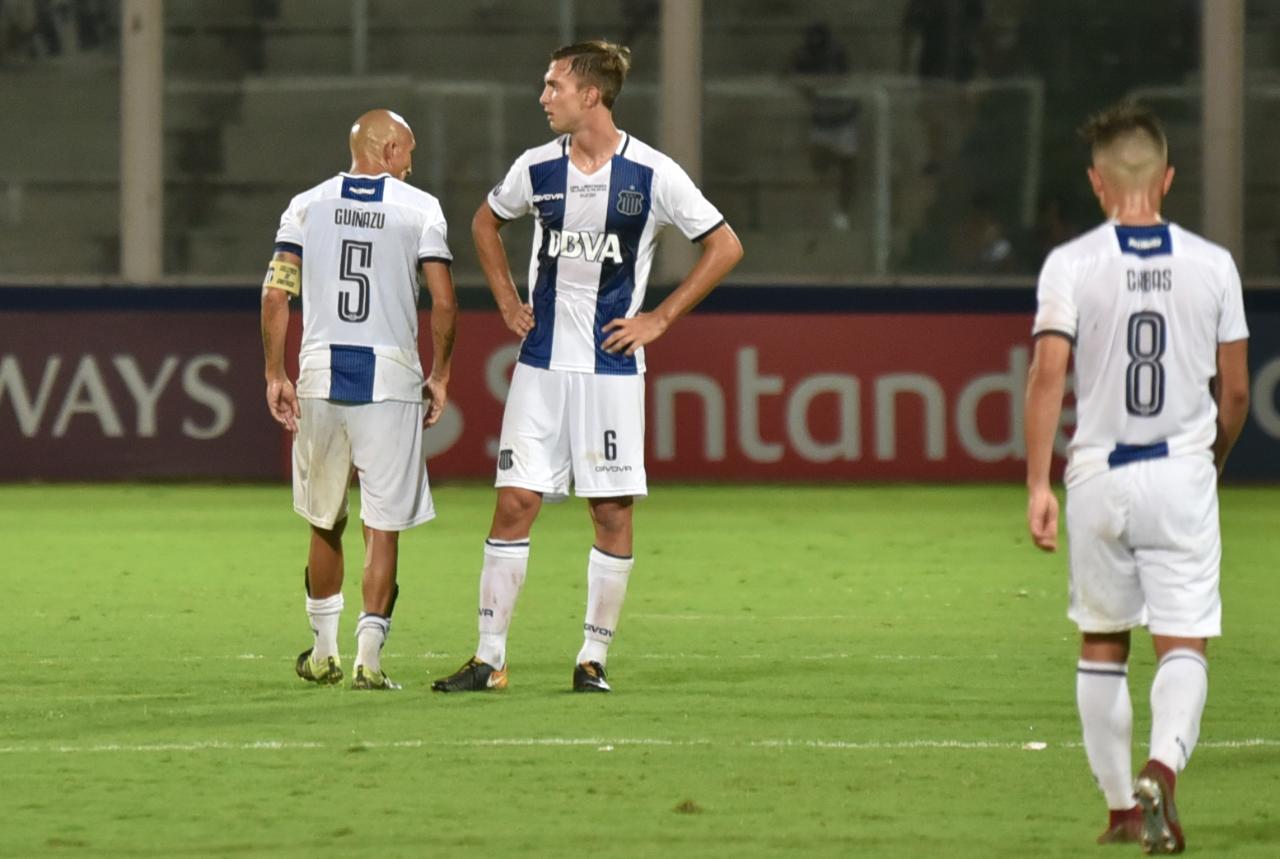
(630, 203)
(506, 459)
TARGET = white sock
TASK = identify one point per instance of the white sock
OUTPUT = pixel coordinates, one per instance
(371, 634)
(606, 589)
(501, 577)
(1177, 699)
(1106, 715)
(324, 615)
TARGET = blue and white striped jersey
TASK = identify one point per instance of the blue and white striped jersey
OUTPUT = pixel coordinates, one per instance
(593, 244)
(362, 240)
(1147, 308)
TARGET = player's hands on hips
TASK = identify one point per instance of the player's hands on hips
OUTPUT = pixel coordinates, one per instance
(283, 403)
(519, 318)
(628, 335)
(1042, 518)
(434, 398)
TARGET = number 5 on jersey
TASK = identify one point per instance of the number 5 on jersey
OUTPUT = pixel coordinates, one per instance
(355, 259)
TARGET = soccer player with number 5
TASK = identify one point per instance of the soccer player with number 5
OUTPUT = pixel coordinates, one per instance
(1156, 318)
(353, 247)
(575, 410)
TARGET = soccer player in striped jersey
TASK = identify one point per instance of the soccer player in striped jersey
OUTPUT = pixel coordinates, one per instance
(361, 401)
(575, 409)
(1155, 315)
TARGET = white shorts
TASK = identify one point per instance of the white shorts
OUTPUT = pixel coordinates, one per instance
(1145, 549)
(382, 443)
(588, 427)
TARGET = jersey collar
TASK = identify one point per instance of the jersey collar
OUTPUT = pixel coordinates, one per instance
(623, 143)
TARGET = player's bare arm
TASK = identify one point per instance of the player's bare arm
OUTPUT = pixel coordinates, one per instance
(284, 278)
(1231, 393)
(497, 271)
(721, 251)
(444, 322)
(1046, 383)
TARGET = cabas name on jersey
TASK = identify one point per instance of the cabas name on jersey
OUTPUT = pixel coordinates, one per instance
(592, 247)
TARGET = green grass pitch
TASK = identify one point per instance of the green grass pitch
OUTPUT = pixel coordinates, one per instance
(845, 671)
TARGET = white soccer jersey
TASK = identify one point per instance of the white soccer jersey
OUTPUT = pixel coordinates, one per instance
(593, 244)
(1147, 308)
(362, 240)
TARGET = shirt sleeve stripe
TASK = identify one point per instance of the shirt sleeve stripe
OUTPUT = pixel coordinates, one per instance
(288, 248)
(720, 223)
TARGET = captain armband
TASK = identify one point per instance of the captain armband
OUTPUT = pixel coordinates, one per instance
(284, 275)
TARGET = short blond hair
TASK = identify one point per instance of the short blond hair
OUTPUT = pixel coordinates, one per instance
(1122, 120)
(603, 65)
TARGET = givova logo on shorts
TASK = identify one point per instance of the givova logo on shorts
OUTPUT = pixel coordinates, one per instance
(593, 247)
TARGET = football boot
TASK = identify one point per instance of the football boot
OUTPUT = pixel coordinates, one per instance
(589, 677)
(473, 676)
(325, 673)
(1161, 831)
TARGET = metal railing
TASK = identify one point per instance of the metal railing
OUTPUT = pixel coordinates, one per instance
(882, 93)
(886, 102)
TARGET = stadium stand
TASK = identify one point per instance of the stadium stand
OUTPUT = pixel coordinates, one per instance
(466, 79)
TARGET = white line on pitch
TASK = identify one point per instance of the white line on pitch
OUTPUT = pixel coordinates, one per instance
(1036, 746)
(226, 657)
(119, 696)
(812, 657)
(601, 743)
(747, 616)
(825, 657)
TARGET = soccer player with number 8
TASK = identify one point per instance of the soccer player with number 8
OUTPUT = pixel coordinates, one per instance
(1155, 316)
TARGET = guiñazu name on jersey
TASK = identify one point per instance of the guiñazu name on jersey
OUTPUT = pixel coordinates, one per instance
(593, 247)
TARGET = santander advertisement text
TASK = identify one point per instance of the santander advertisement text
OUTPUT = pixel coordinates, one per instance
(731, 396)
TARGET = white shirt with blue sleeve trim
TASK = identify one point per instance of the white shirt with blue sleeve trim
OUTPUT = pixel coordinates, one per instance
(363, 240)
(593, 244)
(1146, 308)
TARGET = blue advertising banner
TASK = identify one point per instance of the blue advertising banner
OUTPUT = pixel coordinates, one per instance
(761, 383)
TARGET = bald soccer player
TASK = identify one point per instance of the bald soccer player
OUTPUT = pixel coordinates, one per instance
(1156, 319)
(361, 401)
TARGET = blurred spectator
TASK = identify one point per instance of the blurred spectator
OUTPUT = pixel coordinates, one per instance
(638, 17)
(941, 40)
(94, 22)
(17, 27)
(53, 27)
(265, 12)
(944, 37)
(1057, 222)
(981, 243)
(1002, 51)
(820, 65)
(1099, 49)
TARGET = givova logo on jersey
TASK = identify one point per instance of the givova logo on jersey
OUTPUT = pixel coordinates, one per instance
(593, 247)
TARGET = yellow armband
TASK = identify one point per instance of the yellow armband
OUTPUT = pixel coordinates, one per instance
(283, 275)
